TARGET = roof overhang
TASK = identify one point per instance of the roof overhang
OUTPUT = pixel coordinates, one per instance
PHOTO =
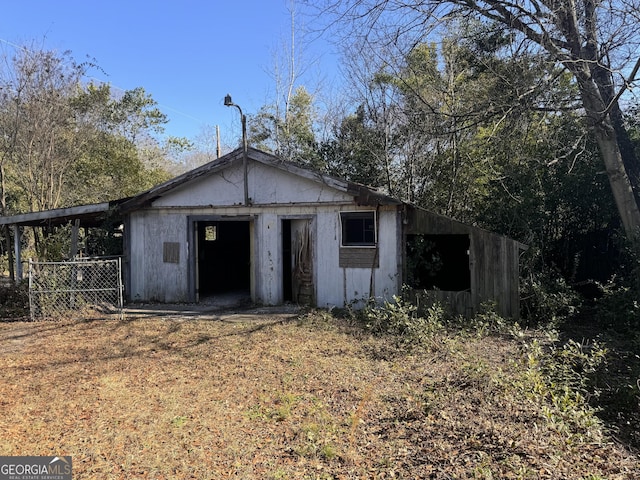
(89, 215)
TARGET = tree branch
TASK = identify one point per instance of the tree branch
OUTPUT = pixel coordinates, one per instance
(624, 88)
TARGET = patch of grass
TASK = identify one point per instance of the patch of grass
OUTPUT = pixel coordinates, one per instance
(179, 421)
(277, 409)
(164, 398)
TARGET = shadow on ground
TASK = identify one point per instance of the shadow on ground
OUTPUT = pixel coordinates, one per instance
(233, 306)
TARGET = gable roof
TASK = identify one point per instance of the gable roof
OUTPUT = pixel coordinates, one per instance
(362, 194)
(94, 214)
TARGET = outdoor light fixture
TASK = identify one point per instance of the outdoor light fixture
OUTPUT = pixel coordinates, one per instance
(229, 103)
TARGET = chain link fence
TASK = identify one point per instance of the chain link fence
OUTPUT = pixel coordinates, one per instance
(59, 289)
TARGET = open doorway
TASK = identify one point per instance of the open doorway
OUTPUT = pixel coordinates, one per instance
(297, 261)
(224, 259)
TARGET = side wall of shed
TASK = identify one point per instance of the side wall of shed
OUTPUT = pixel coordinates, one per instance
(493, 262)
(495, 272)
(158, 254)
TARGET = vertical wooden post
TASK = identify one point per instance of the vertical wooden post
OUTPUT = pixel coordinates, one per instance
(74, 239)
(31, 300)
(17, 251)
(73, 251)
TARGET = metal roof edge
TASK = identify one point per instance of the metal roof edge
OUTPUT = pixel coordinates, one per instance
(37, 218)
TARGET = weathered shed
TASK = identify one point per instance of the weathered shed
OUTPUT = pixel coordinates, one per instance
(301, 236)
(280, 232)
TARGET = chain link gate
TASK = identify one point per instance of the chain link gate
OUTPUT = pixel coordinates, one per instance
(59, 288)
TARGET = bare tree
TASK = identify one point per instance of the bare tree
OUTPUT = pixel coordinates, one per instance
(595, 40)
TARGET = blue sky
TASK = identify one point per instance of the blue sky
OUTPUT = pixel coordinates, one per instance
(188, 55)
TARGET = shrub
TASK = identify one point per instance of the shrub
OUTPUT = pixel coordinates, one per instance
(14, 301)
(618, 307)
(547, 299)
(400, 319)
(562, 376)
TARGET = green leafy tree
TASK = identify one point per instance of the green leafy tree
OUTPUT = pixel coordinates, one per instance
(443, 98)
(355, 152)
(497, 140)
(37, 121)
(291, 136)
(65, 142)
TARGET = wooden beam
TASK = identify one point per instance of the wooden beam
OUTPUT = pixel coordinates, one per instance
(74, 239)
(37, 218)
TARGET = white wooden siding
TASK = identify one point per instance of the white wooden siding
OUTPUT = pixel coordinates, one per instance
(267, 186)
(154, 280)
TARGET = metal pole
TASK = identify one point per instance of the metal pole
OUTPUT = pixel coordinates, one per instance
(228, 102)
(245, 160)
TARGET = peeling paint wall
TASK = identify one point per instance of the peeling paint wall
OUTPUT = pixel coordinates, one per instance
(276, 195)
(341, 286)
(153, 278)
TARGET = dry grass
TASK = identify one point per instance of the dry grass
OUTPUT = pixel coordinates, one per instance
(271, 399)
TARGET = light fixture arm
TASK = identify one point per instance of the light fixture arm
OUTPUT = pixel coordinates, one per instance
(229, 103)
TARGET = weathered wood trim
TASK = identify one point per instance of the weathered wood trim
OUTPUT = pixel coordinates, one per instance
(70, 213)
(358, 257)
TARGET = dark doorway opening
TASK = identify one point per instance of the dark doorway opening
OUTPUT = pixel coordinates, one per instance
(224, 257)
(438, 262)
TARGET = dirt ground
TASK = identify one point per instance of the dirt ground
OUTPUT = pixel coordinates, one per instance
(277, 393)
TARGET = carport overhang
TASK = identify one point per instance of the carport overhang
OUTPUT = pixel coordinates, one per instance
(89, 216)
(92, 215)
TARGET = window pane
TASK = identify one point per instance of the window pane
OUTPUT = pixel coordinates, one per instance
(358, 228)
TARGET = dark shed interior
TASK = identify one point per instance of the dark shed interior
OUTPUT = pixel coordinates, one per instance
(224, 256)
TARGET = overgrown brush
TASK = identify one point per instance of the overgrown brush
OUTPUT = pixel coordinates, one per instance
(562, 376)
(547, 299)
(559, 374)
(14, 301)
(618, 307)
(399, 319)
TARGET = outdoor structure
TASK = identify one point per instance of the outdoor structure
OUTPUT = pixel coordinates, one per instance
(280, 233)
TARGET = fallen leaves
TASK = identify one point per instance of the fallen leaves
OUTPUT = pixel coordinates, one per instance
(165, 398)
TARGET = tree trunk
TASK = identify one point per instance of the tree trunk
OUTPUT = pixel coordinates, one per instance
(6, 230)
(603, 79)
(604, 132)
